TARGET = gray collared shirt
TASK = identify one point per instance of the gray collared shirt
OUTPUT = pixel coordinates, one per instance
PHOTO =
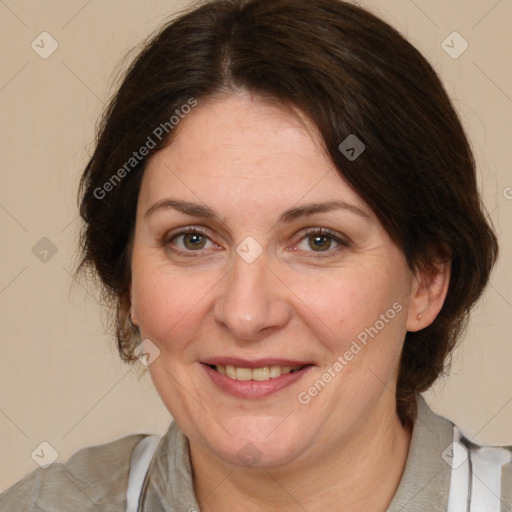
(96, 478)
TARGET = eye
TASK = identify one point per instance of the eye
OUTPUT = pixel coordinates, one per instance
(192, 239)
(321, 240)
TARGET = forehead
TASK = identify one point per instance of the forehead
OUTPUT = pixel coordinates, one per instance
(243, 147)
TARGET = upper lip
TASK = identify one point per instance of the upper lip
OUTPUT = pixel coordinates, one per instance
(254, 363)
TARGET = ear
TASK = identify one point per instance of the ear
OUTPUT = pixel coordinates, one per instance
(428, 294)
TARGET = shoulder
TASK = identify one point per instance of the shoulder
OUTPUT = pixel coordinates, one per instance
(445, 469)
(94, 477)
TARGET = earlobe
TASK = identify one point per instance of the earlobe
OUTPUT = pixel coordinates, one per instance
(428, 295)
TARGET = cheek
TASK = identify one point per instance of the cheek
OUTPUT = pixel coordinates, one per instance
(169, 306)
(359, 319)
(341, 305)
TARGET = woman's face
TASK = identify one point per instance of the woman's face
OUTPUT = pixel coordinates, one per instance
(230, 268)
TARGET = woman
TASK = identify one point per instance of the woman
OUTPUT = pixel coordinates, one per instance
(282, 207)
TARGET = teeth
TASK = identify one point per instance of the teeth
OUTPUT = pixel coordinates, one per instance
(243, 374)
(263, 373)
(275, 371)
(231, 372)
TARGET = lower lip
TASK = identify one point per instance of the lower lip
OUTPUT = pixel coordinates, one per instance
(253, 388)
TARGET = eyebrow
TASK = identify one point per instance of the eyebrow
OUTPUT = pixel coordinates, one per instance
(198, 210)
(312, 208)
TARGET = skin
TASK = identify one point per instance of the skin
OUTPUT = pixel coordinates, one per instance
(249, 161)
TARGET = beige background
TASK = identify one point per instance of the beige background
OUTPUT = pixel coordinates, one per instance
(60, 378)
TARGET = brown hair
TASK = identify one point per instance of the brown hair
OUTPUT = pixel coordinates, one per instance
(350, 73)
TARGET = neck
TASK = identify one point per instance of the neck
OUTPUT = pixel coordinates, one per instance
(342, 477)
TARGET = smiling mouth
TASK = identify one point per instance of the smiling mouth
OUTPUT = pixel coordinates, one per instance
(258, 374)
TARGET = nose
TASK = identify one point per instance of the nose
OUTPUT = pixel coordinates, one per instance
(251, 300)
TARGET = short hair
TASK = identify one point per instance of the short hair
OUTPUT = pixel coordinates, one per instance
(350, 73)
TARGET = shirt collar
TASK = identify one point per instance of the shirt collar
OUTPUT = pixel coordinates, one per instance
(425, 482)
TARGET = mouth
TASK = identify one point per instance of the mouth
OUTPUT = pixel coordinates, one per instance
(254, 379)
(260, 374)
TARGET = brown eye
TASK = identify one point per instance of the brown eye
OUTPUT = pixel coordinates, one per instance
(189, 240)
(319, 242)
(194, 241)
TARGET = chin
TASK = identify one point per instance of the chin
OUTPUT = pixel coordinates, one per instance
(259, 455)
(257, 444)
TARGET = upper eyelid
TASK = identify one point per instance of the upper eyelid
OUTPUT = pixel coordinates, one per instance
(184, 230)
(321, 231)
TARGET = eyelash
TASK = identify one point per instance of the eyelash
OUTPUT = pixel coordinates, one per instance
(166, 241)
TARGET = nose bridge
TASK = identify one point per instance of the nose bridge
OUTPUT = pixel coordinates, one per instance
(251, 299)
